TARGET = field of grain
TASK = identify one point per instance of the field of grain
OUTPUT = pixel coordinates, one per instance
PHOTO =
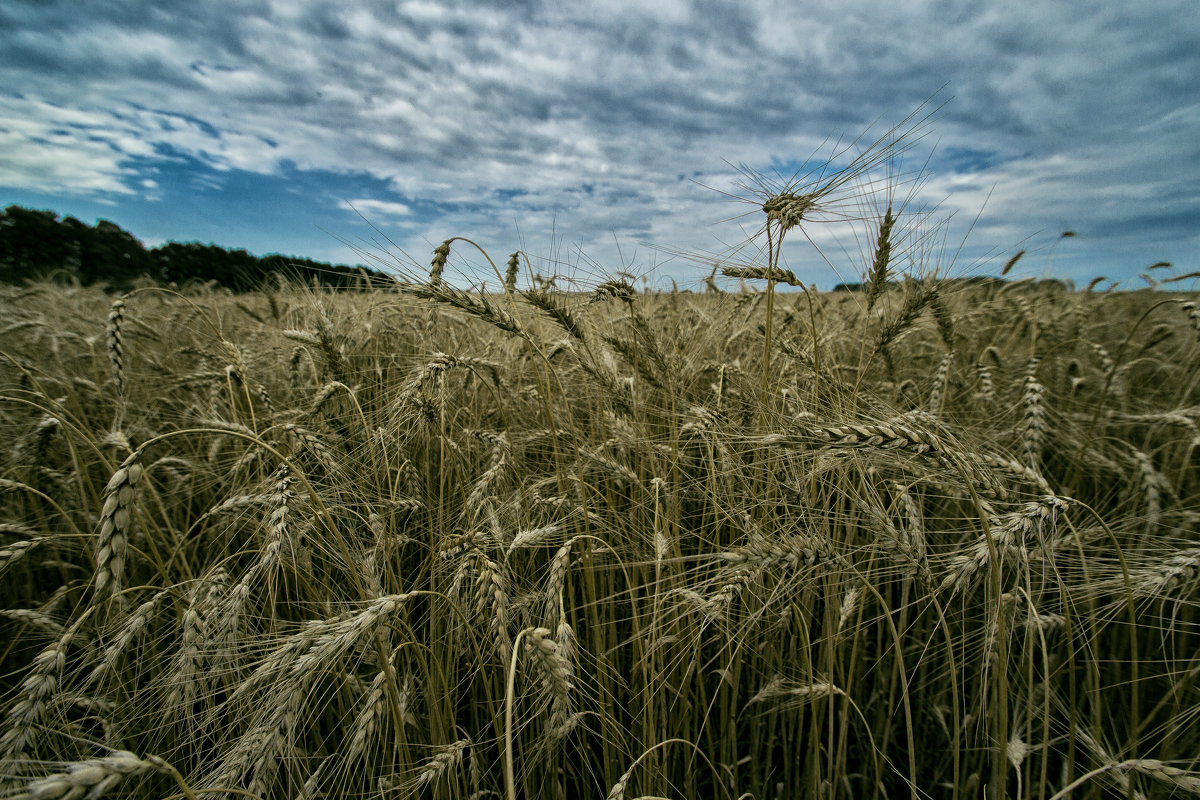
(924, 539)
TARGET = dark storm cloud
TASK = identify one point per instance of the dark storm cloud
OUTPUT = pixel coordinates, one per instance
(581, 118)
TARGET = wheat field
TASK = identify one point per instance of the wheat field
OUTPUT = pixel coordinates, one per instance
(927, 538)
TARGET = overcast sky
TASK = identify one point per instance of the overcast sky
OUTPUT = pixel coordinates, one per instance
(607, 135)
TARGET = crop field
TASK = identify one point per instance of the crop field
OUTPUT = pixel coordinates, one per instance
(925, 538)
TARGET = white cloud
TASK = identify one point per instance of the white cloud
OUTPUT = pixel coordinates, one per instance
(589, 119)
(379, 208)
(52, 149)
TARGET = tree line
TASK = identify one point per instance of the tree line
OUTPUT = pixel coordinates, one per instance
(37, 244)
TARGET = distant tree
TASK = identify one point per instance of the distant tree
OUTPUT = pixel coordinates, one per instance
(177, 262)
(32, 245)
(337, 276)
(181, 262)
(109, 254)
(35, 244)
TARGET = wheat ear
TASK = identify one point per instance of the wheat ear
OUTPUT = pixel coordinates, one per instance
(556, 674)
(1181, 779)
(1174, 572)
(878, 278)
(113, 531)
(96, 776)
(26, 713)
(1193, 314)
(1033, 415)
(112, 337)
(510, 273)
(445, 759)
(436, 267)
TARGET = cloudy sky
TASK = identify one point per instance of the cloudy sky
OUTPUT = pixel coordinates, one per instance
(628, 134)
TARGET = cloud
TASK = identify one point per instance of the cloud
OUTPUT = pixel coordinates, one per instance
(380, 209)
(53, 149)
(604, 118)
